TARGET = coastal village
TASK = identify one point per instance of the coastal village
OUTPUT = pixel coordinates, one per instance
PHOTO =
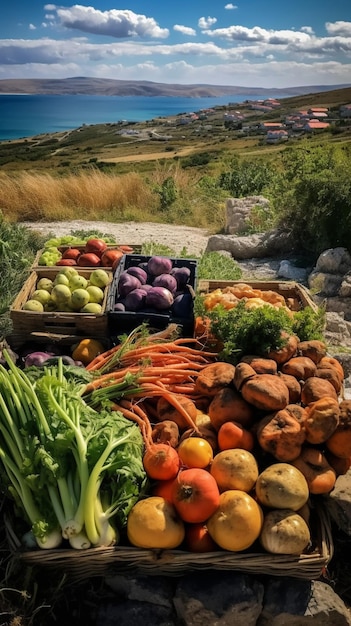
(313, 119)
(249, 118)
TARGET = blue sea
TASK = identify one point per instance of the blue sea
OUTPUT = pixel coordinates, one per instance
(28, 115)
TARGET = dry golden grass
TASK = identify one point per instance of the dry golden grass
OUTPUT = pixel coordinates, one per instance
(96, 195)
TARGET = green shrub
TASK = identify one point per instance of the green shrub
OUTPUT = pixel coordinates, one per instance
(246, 178)
(313, 196)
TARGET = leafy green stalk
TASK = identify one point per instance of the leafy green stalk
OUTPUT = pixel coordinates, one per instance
(116, 478)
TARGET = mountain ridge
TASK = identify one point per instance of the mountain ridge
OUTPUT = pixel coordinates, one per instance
(83, 85)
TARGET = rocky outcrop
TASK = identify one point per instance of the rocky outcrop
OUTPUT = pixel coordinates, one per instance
(239, 211)
(222, 599)
(259, 245)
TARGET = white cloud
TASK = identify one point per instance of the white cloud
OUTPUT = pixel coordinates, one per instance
(206, 22)
(258, 34)
(32, 27)
(185, 30)
(236, 55)
(339, 28)
(230, 6)
(114, 23)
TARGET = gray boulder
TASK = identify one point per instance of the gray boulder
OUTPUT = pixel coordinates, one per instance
(259, 245)
(222, 600)
(238, 212)
(289, 602)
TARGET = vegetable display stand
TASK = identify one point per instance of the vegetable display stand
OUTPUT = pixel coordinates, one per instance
(120, 322)
(296, 295)
(26, 324)
(83, 564)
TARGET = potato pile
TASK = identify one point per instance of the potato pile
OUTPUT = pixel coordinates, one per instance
(290, 403)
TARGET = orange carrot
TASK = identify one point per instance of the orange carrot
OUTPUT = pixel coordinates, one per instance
(161, 461)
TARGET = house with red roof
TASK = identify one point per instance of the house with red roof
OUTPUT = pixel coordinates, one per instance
(315, 124)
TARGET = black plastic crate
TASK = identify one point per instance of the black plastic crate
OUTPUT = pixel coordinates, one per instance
(121, 322)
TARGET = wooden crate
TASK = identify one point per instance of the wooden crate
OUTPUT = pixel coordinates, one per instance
(296, 295)
(27, 324)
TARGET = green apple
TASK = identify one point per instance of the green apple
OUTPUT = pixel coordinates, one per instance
(50, 306)
(42, 295)
(99, 277)
(68, 271)
(96, 294)
(92, 307)
(79, 298)
(64, 307)
(77, 282)
(33, 305)
(45, 283)
(61, 279)
(61, 294)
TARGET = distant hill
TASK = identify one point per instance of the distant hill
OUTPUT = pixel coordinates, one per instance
(82, 85)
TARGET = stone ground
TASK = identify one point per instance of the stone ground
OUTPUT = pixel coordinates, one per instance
(175, 237)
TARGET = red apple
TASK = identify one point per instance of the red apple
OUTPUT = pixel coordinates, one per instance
(88, 259)
(110, 256)
(71, 253)
(66, 262)
(96, 246)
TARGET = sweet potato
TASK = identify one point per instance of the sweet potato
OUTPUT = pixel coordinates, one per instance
(339, 443)
(266, 392)
(322, 419)
(228, 405)
(213, 377)
(315, 388)
(281, 435)
(260, 364)
(302, 367)
(298, 412)
(314, 466)
(332, 375)
(166, 432)
(340, 466)
(287, 351)
(313, 348)
(293, 386)
(243, 372)
(330, 361)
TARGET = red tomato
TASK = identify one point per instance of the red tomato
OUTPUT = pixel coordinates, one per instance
(71, 253)
(88, 259)
(69, 262)
(110, 256)
(164, 488)
(126, 249)
(195, 495)
(198, 539)
(97, 246)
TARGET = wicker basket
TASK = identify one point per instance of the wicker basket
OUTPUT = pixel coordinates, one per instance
(26, 324)
(82, 564)
(295, 294)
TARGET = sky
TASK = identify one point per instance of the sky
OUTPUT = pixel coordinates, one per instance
(250, 43)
